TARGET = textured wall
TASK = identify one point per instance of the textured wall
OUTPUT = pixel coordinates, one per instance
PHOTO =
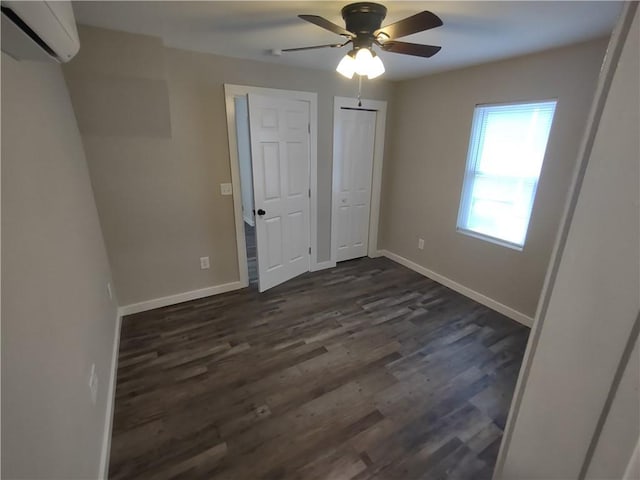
(57, 318)
(424, 169)
(157, 158)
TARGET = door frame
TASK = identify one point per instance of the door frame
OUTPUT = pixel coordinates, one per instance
(230, 92)
(380, 107)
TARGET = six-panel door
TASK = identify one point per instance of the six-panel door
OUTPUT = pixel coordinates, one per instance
(280, 157)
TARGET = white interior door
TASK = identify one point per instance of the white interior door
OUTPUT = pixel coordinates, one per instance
(352, 172)
(280, 157)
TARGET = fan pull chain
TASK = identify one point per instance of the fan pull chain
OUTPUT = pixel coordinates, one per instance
(359, 90)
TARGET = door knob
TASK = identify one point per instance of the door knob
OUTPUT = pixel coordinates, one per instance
(261, 212)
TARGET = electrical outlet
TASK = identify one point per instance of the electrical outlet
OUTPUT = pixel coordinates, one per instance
(421, 244)
(226, 189)
(109, 291)
(204, 263)
(93, 384)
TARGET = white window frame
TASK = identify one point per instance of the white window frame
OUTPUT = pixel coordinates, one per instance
(470, 175)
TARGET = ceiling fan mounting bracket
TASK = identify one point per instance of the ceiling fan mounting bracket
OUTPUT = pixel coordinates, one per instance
(364, 18)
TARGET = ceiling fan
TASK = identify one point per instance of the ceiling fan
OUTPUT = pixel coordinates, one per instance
(363, 29)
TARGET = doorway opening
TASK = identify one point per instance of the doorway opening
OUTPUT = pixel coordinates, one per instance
(273, 150)
(246, 185)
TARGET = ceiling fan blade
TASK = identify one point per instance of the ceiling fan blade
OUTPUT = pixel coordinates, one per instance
(327, 25)
(414, 49)
(416, 23)
(330, 45)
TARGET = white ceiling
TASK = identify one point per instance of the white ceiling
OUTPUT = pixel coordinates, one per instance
(473, 31)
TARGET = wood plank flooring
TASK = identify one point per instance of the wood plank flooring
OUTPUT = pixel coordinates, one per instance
(365, 371)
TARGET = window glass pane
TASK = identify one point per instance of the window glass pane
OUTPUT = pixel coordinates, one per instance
(500, 207)
(514, 140)
(506, 152)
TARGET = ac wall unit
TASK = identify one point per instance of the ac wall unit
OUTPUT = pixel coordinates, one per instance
(39, 30)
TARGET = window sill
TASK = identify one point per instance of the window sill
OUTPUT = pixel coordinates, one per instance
(487, 238)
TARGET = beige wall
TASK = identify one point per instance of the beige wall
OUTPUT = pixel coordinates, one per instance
(57, 318)
(593, 303)
(154, 128)
(429, 133)
(621, 429)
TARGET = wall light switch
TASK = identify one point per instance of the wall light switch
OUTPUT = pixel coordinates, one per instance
(109, 291)
(421, 243)
(226, 189)
(204, 263)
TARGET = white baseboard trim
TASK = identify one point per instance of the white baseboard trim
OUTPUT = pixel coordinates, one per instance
(322, 266)
(179, 298)
(111, 398)
(466, 291)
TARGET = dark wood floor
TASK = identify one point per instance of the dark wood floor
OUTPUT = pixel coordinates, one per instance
(368, 370)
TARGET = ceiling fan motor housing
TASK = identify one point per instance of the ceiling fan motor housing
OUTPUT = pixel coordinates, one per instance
(363, 18)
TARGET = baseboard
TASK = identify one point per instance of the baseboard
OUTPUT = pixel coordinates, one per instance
(466, 291)
(111, 397)
(179, 298)
(322, 266)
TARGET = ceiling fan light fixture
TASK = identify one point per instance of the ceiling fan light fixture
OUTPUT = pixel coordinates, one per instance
(376, 68)
(347, 66)
(363, 61)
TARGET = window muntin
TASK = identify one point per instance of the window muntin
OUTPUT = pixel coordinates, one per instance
(506, 151)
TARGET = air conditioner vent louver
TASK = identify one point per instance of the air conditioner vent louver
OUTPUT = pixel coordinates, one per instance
(27, 29)
(39, 30)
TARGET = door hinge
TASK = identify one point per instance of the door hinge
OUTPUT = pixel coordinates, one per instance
(309, 250)
(309, 193)
(309, 128)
